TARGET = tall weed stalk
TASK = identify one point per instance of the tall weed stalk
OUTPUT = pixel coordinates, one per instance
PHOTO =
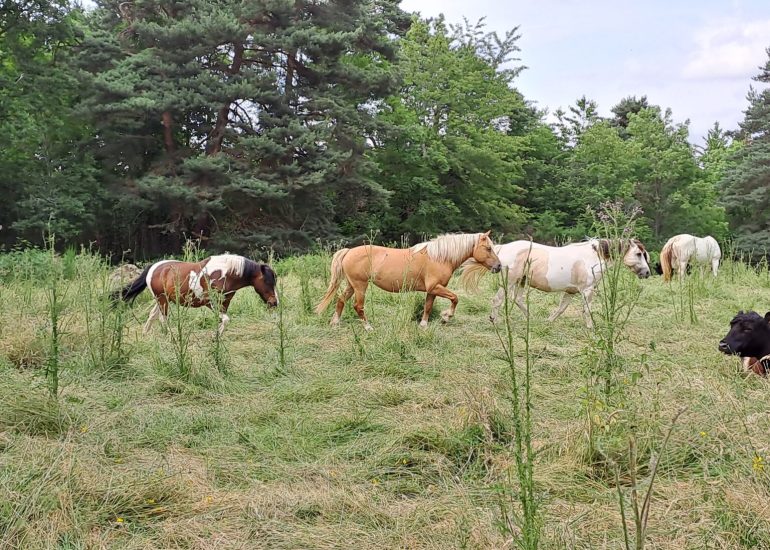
(523, 522)
(641, 513)
(56, 294)
(105, 321)
(218, 352)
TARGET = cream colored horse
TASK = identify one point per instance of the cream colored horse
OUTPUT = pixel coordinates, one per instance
(572, 269)
(683, 249)
(425, 267)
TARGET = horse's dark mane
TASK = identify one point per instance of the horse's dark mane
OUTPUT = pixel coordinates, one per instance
(269, 275)
(250, 268)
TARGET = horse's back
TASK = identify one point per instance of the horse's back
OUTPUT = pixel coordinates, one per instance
(550, 268)
(381, 263)
(707, 249)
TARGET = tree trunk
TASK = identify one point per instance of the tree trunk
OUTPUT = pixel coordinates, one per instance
(223, 114)
(288, 84)
(168, 132)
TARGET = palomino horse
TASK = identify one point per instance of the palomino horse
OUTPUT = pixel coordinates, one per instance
(188, 283)
(425, 267)
(572, 269)
(683, 249)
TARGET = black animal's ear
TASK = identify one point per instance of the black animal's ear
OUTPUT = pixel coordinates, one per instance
(263, 269)
(767, 316)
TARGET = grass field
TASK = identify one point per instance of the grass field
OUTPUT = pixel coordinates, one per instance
(398, 438)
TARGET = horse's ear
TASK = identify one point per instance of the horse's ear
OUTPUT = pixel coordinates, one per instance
(486, 235)
(767, 316)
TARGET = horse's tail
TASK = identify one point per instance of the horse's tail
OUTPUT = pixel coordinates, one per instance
(336, 280)
(133, 289)
(472, 273)
(666, 259)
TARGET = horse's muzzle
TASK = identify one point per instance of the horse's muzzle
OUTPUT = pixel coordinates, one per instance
(644, 274)
(272, 303)
(724, 347)
(496, 268)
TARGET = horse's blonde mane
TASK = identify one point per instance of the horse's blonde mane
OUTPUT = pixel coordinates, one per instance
(453, 247)
(228, 264)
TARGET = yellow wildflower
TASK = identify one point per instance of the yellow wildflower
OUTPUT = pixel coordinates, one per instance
(118, 520)
(703, 434)
(150, 501)
(375, 481)
(758, 464)
(83, 429)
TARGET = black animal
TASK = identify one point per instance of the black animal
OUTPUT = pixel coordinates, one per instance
(659, 269)
(749, 338)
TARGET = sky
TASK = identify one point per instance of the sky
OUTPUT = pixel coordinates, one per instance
(696, 57)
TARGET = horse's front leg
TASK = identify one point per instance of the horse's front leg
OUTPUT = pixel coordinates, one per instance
(224, 318)
(714, 267)
(442, 291)
(498, 300)
(588, 296)
(429, 299)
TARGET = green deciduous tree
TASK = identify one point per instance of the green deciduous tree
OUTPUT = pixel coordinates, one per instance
(47, 179)
(461, 138)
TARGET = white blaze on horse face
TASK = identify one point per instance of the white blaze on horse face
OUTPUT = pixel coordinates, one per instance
(151, 272)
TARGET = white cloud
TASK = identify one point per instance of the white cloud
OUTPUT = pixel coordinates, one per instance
(729, 49)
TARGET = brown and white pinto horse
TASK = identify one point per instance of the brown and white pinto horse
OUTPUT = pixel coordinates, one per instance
(188, 284)
(425, 267)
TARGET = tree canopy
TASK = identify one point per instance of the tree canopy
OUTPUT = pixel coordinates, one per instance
(278, 124)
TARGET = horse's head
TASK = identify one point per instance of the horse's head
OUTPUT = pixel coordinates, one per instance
(484, 253)
(264, 282)
(637, 259)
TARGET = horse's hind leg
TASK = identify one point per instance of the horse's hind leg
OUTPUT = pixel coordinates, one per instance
(588, 296)
(566, 298)
(159, 311)
(358, 305)
(715, 266)
(341, 305)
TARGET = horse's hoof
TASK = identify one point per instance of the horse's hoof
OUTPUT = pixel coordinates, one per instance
(368, 327)
(423, 324)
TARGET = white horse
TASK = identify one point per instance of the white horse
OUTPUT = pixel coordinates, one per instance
(683, 249)
(572, 269)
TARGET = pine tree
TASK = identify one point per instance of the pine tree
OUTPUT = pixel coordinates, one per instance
(245, 122)
(746, 186)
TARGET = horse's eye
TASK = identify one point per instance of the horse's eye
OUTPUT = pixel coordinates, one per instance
(639, 254)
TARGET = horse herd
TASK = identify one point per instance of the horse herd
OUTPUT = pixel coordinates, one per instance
(428, 267)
